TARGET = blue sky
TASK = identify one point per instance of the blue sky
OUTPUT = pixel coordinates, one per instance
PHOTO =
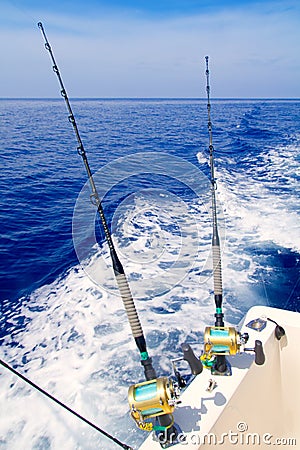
(154, 48)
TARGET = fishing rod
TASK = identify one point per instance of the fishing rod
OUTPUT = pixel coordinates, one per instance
(118, 269)
(220, 340)
(216, 249)
(220, 364)
(163, 390)
(63, 405)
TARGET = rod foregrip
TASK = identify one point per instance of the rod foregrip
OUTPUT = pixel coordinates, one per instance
(131, 312)
(217, 270)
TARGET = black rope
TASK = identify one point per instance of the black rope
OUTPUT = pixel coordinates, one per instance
(91, 424)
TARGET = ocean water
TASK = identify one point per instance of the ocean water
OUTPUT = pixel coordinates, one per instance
(62, 320)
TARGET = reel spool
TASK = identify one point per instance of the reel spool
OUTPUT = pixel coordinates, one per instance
(152, 399)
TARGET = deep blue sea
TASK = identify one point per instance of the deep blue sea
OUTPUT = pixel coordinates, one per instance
(62, 321)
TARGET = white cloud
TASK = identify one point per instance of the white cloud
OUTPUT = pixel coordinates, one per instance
(253, 54)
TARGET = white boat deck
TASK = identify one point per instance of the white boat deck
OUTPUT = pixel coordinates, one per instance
(256, 407)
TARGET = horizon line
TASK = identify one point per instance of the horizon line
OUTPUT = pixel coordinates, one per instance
(154, 98)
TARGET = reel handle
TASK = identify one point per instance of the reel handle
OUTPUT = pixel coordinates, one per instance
(189, 356)
(259, 353)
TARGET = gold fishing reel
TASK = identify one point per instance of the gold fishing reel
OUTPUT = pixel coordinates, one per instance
(152, 399)
(222, 341)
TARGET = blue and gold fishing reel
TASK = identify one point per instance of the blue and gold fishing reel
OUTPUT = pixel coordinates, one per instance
(221, 341)
(151, 399)
(224, 341)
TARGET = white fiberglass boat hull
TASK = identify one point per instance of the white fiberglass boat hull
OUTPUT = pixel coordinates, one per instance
(257, 406)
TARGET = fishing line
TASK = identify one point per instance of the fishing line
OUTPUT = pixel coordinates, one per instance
(63, 405)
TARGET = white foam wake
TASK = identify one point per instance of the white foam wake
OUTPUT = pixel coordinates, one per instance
(77, 342)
